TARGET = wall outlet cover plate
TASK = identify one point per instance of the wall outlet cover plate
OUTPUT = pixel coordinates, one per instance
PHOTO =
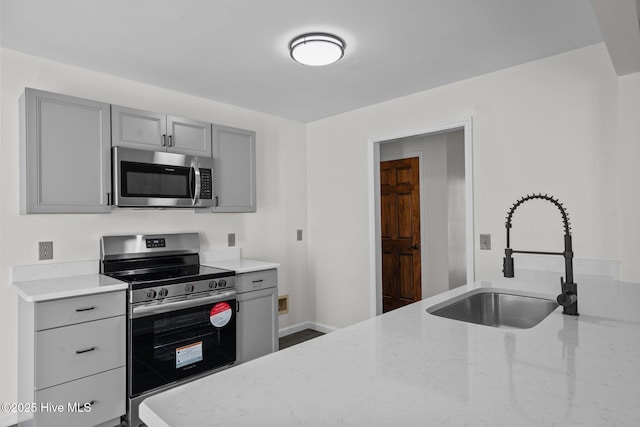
(485, 242)
(45, 250)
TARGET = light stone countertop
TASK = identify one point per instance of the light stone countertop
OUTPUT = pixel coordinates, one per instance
(37, 283)
(410, 368)
(66, 287)
(242, 265)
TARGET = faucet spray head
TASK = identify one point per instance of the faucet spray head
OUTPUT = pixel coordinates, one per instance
(507, 264)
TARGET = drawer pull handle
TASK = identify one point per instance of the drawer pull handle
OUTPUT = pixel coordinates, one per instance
(85, 309)
(257, 281)
(87, 350)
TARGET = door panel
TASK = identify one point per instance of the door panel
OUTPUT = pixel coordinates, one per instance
(400, 231)
(188, 136)
(65, 157)
(406, 277)
(405, 225)
(144, 130)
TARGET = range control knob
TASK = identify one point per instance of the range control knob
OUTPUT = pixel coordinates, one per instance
(223, 283)
(213, 284)
(188, 287)
(151, 294)
(163, 292)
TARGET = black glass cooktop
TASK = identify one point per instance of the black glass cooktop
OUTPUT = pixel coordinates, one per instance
(167, 275)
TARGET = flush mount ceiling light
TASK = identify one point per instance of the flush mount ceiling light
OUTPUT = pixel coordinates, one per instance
(317, 49)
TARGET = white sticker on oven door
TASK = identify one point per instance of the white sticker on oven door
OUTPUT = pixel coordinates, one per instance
(188, 354)
(220, 314)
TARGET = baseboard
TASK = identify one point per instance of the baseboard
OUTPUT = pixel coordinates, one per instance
(305, 325)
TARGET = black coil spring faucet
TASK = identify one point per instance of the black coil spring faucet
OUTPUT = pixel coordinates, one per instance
(568, 299)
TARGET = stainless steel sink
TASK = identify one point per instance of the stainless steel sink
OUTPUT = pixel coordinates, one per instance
(496, 307)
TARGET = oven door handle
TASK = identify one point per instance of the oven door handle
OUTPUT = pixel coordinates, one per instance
(148, 310)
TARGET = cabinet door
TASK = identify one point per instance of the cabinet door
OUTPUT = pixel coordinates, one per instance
(65, 154)
(257, 324)
(186, 136)
(234, 164)
(139, 129)
(104, 394)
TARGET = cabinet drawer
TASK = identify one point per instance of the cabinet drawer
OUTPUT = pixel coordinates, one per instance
(106, 390)
(68, 311)
(255, 280)
(76, 351)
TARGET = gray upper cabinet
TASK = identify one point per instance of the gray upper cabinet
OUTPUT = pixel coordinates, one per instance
(139, 129)
(189, 136)
(234, 156)
(65, 156)
(147, 130)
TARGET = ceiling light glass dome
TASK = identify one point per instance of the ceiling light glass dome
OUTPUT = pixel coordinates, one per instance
(317, 49)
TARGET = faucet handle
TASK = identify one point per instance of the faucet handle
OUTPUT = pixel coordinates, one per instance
(565, 299)
(568, 299)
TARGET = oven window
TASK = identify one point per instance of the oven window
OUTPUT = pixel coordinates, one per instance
(171, 346)
(148, 180)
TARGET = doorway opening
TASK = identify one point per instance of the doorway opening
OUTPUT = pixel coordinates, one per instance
(400, 232)
(417, 257)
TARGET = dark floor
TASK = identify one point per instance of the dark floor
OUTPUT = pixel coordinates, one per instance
(298, 337)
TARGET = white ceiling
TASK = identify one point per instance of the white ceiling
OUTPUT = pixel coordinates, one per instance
(235, 51)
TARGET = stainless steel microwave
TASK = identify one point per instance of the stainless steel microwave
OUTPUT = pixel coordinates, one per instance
(161, 180)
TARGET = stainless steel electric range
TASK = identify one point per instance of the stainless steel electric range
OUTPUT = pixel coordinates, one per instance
(181, 322)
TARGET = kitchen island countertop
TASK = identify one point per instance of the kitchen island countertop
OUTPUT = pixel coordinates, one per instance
(409, 368)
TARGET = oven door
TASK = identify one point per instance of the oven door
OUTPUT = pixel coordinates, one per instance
(176, 340)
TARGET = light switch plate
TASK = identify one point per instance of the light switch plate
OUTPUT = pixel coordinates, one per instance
(45, 250)
(231, 239)
(299, 235)
(485, 242)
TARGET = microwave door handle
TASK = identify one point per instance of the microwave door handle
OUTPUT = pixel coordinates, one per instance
(196, 193)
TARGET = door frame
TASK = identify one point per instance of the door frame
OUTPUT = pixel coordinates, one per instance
(375, 245)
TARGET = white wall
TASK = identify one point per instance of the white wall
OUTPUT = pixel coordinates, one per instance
(269, 234)
(628, 178)
(456, 209)
(546, 126)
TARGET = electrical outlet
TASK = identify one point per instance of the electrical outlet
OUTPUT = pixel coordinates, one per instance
(485, 242)
(45, 250)
(299, 235)
(231, 239)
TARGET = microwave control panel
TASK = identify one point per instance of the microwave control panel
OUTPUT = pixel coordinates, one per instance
(206, 187)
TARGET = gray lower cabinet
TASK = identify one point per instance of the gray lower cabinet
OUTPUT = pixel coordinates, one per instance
(65, 157)
(234, 156)
(257, 320)
(146, 130)
(72, 361)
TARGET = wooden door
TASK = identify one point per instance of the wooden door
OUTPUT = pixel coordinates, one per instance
(400, 231)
